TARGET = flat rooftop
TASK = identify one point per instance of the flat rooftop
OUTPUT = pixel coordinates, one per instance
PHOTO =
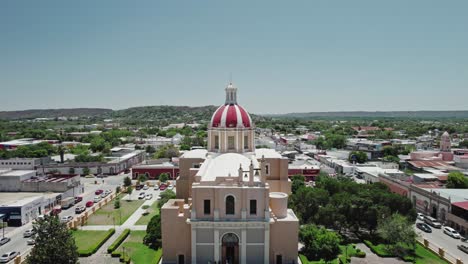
(11, 199)
(17, 172)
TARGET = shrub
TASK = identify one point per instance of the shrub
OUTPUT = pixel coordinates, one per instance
(117, 203)
(361, 254)
(117, 189)
(117, 242)
(358, 250)
(145, 206)
(94, 248)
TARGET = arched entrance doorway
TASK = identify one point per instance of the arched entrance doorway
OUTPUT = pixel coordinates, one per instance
(230, 251)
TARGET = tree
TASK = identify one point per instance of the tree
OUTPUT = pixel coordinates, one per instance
(127, 182)
(163, 177)
(398, 233)
(61, 152)
(86, 171)
(358, 156)
(142, 178)
(463, 144)
(153, 233)
(319, 243)
(54, 243)
(117, 203)
(150, 149)
(297, 182)
(165, 196)
(129, 191)
(456, 180)
(167, 151)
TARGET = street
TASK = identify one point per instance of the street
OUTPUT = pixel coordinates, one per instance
(18, 243)
(440, 239)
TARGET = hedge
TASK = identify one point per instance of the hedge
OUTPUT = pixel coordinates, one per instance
(118, 241)
(92, 250)
(379, 249)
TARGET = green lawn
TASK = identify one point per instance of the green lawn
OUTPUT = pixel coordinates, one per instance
(87, 239)
(423, 255)
(153, 210)
(139, 253)
(304, 260)
(107, 214)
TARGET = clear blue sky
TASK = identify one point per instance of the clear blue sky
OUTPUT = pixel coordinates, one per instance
(285, 56)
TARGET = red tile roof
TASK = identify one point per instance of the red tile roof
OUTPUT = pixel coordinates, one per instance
(463, 205)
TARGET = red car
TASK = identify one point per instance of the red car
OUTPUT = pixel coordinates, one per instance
(78, 199)
(89, 203)
(57, 210)
(98, 192)
(162, 187)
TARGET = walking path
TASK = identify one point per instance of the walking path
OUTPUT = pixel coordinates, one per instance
(101, 256)
(372, 258)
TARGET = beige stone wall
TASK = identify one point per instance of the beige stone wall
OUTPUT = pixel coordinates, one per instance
(176, 235)
(217, 196)
(284, 240)
(185, 179)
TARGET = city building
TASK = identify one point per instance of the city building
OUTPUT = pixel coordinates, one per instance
(231, 204)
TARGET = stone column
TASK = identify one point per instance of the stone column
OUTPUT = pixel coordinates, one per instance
(194, 245)
(266, 243)
(243, 251)
(216, 246)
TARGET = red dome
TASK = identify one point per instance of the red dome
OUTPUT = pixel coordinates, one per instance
(231, 115)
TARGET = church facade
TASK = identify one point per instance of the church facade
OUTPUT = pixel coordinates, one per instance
(231, 204)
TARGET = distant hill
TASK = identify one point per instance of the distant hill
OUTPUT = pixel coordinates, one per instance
(377, 114)
(172, 114)
(52, 113)
(178, 114)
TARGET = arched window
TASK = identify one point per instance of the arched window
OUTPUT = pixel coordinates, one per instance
(230, 205)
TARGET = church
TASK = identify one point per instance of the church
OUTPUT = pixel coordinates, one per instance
(231, 204)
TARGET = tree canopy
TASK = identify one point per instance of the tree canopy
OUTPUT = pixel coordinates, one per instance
(54, 243)
(456, 180)
(319, 243)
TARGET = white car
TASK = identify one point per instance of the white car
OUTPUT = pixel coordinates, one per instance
(149, 197)
(97, 199)
(451, 232)
(66, 219)
(29, 233)
(420, 216)
(8, 256)
(146, 187)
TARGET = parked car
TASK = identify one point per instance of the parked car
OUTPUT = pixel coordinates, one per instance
(170, 187)
(89, 203)
(463, 248)
(56, 211)
(162, 187)
(97, 199)
(149, 197)
(146, 187)
(4, 240)
(98, 192)
(139, 187)
(8, 256)
(31, 241)
(29, 233)
(156, 187)
(78, 199)
(66, 219)
(451, 232)
(141, 195)
(424, 227)
(421, 216)
(432, 222)
(80, 209)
